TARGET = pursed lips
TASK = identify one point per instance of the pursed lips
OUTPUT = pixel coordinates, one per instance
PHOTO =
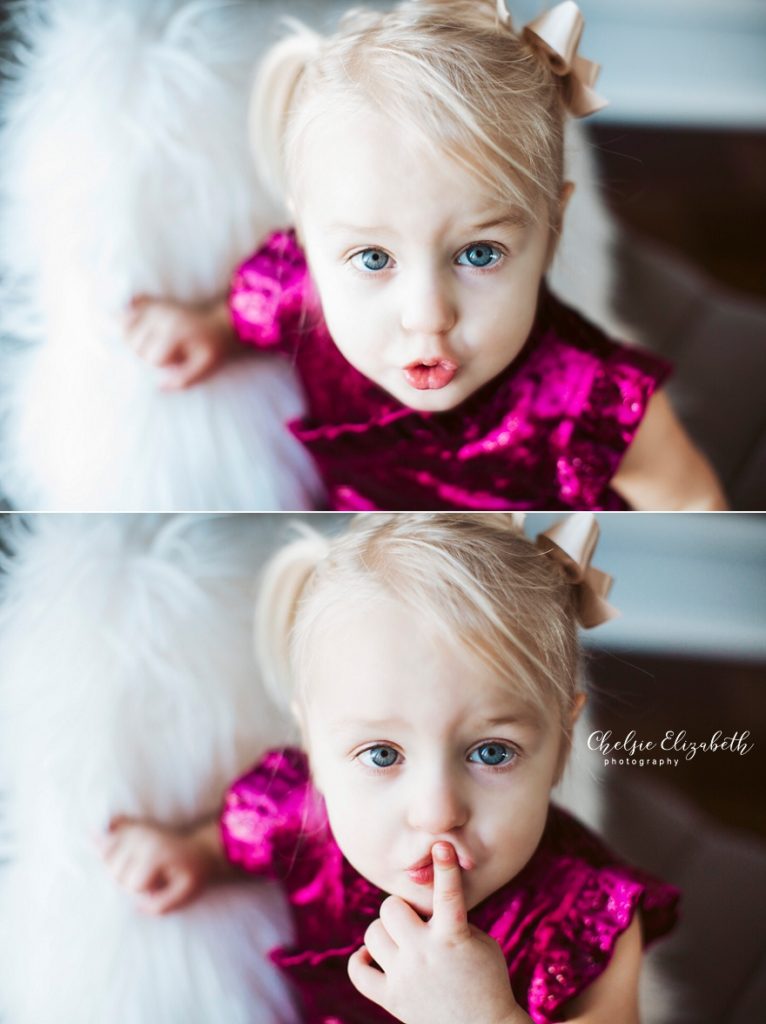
(466, 863)
(430, 374)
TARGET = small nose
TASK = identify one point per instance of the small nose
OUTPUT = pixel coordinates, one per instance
(437, 805)
(428, 307)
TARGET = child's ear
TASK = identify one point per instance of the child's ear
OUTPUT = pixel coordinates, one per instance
(566, 194)
(579, 702)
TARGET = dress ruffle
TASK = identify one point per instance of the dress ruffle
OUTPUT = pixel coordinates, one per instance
(587, 933)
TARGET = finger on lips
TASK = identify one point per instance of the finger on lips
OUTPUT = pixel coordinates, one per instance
(449, 911)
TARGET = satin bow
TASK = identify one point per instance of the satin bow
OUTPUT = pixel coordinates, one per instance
(556, 35)
(571, 542)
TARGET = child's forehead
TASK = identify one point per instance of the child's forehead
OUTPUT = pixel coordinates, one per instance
(359, 167)
(389, 660)
(360, 141)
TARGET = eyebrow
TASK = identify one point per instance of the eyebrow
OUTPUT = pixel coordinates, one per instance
(366, 723)
(364, 229)
(514, 219)
(528, 719)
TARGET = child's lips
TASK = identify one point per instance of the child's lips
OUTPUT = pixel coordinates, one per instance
(422, 872)
(423, 875)
(430, 374)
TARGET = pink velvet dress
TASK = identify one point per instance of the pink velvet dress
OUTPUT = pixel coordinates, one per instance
(547, 433)
(557, 921)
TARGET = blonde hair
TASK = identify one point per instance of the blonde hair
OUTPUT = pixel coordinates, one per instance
(448, 68)
(475, 575)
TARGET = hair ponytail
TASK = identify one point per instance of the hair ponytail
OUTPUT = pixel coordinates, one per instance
(281, 587)
(270, 101)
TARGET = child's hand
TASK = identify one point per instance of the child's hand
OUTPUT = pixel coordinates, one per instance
(163, 868)
(445, 970)
(188, 342)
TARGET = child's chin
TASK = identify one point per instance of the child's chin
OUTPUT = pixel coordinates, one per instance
(431, 400)
(422, 904)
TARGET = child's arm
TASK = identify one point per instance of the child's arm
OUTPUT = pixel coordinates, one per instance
(663, 471)
(163, 868)
(613, 996)
(187, 341)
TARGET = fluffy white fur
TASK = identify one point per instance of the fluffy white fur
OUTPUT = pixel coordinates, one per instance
(128, 685)
(126, 170)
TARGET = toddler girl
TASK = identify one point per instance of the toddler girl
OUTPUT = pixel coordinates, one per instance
(432, 662)
(420, 152)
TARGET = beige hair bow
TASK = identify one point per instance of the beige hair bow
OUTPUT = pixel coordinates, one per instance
(571, 542)
(556, 35)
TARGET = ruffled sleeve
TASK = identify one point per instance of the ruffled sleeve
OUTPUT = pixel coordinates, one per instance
(599, 389)
(579, 938)
(267, 293)
(265, 814)
(571, 906)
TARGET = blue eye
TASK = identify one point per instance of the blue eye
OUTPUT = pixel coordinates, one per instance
(379, 757)
(493, 755)
(371, 260)
(480, 254)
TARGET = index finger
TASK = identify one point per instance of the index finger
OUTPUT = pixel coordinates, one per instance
(450, 916)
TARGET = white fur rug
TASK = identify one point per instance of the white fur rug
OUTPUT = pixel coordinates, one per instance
(125, 169)
(128, 684)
